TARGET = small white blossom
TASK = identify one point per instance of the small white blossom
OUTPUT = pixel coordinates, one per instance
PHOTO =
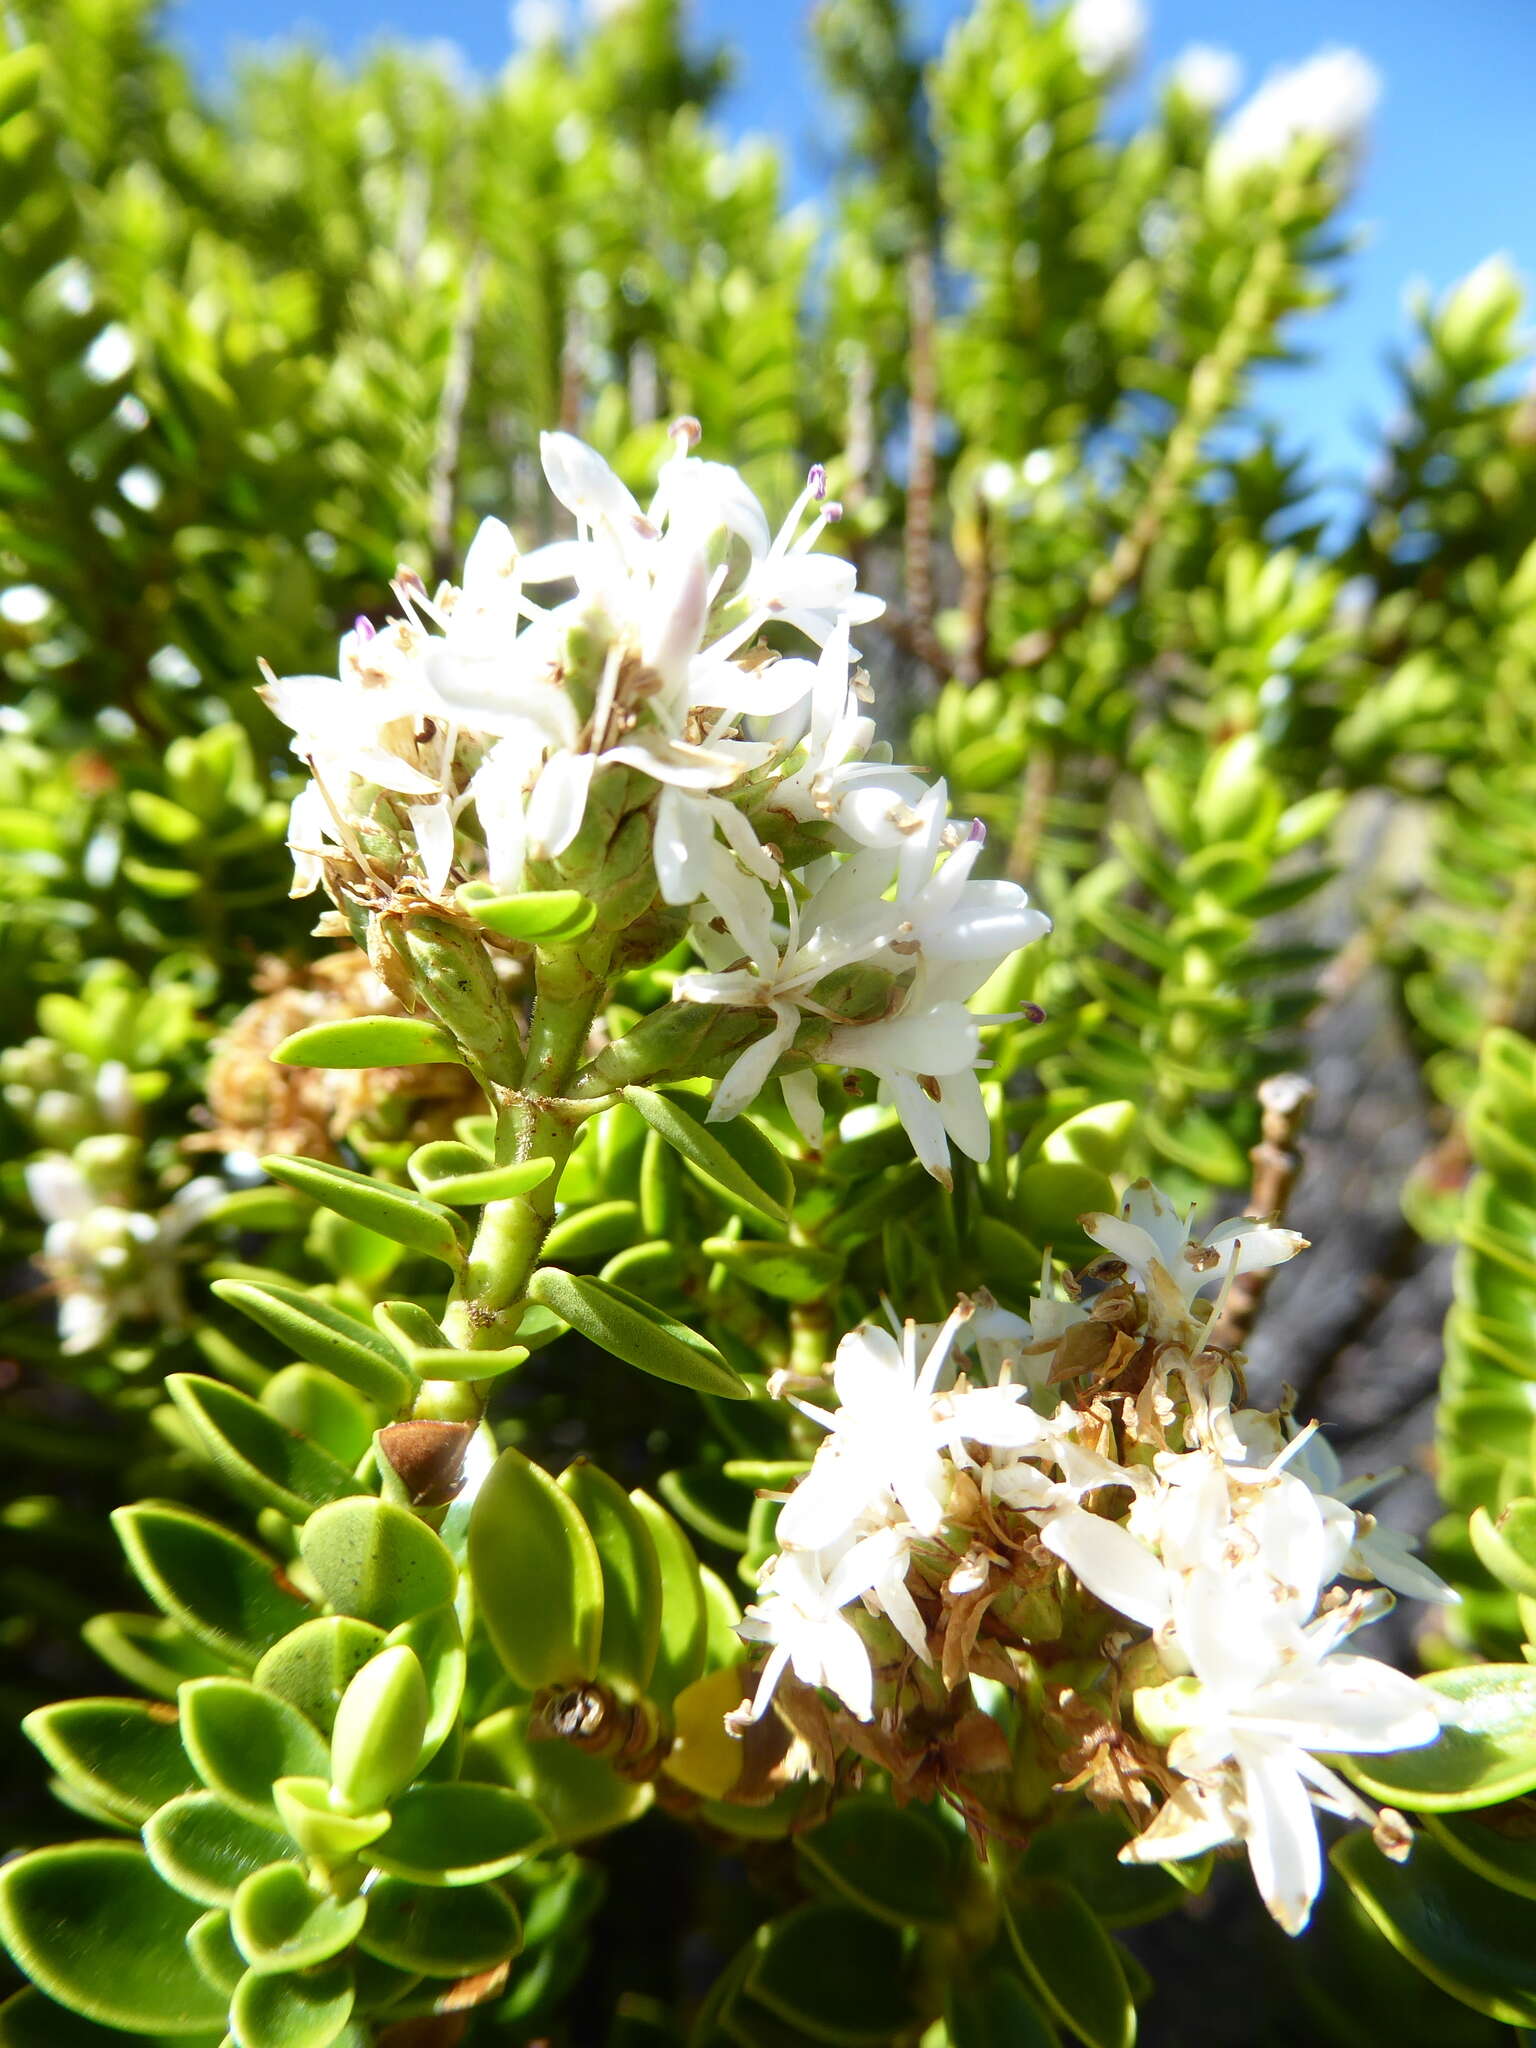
(1107, 34)
(1329, 99)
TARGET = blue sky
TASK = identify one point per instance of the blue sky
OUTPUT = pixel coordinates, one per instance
(1451, 175)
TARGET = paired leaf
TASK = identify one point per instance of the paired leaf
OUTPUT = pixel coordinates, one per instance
(224, 1591)
(369, 1042)
(1486, 1750)
(263, 1461)
(312, 1667)
(632, 1330)
(207, 1850)
(280, 1921)
(833, 1973)
(241, 1739)
(631, 1573)
(396, 1213)
(125, 1754)
(1071, 1962)
(325, 1336)
(440, 1933)
(682, 1634)
(757, 1174)
(891, 1862)
(459, 1834)
(537, 1575)
(376, 1561)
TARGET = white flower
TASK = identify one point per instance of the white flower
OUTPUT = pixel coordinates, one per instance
(1271, 1700)
(1171, 1266)
(1107, 34)
(926, 1063)
(1329, 99)
(801, 1617)
(1207, 77)
(1375, 1551)
(106, 1261)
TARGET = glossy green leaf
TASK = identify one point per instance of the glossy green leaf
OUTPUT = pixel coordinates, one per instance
(126, 1754)
(420, 1340)
(222, 1590)
(29, 2020)
(988, 2008)
(307, 2009)
(541, 916)
(767, 1184)
(151, 1652)
(318, 1407)
(1469, 1937)
(888, 1861)
(1486, 1750)
(327, 1337)
(789, 1272)
(1508, 1546)
(1083, 1850)
(241, 1738)
(304, 1806)
(1496, 1842)
(211, 1945)
(312, 1667)
(207, 1850)
(594, 1232)
(437, 1642)
(261, 1460)
(369, 1042)
(379, 1728)
(631, 1604)
(440, 1933)
(580, 1796)
(833, 1973)
(490, 1183)
(95, 1927)
(1071, 1963)
(458, 1834)
(683, 1630)
(377, 1561)
(632, 1330)
(281, 1921)
(537, 1575)
(396, 1213)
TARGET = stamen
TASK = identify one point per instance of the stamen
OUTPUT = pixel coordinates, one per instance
(685, 428)
(364, 628)
(816, 480)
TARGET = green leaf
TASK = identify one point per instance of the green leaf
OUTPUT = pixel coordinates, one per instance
(594, 1232)
(789, 1272)
(150, 1652)
(580, 1796)
(327, 1337)
(545, 916)
(1486, 1750)
(890, 1862)
(458, 1834)
(1491, 1842)
(206, 1850)
(369, 1042)
(94, 1926)
(990, 2009)
(833, 1973)
(491, 1184)
(28, 2020)
(308, 2009)
(440, 1933)
(222, 1590)
(319, 1829)
(378, 1733)
(631, 1602)
(421, 1341)
(1508, 1547)
(1471, 1938)
(376, 1561)
(126, 1754)
(212, 1948)
(312, 1667)
(1083, 1850)
(396, 1213)
(683, 1632)
(1071, 1962)
(437, 1642)
(241, 1738)
(537, 1575)
(316, 1405)
(263, 1462)
(766, 1184)
(632, 1330)
(281, 1922)
(1050, 1195)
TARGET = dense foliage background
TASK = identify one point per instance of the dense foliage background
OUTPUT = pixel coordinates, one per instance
(1272, 780)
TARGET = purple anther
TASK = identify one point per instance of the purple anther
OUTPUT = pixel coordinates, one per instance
(1032, 1013)
(686, 428)
(363, 628)
(816, 480)
(832, 511)
(977, 836)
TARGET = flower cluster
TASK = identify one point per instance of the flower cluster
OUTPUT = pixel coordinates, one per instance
(491, 736)
(1203, 1544)
(1328, 100)
(107, 1261)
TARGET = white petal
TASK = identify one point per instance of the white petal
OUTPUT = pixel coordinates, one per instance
(433, 827)
(585, 485)
(802, 1099)
(1281, 1833)
(1114, 1567)
(748, 1074)
(558, 803)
